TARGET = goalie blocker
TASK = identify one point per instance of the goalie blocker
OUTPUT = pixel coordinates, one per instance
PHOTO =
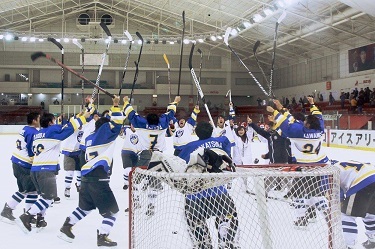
(207, 202)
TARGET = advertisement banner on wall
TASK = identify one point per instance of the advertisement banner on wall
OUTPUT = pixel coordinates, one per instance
(353, 139)
(362, 58)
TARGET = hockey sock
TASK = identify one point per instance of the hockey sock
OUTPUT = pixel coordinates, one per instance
(17, 197)
(300, 206)
(107, 223)
(78, 177)
(68, 178)
(31, 198)
(77, 215)
(126, 175)
(320, 202)
(40, 206)
(369, 222)
(349, 227)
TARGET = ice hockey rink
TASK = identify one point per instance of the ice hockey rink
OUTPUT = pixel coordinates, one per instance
(85, 231)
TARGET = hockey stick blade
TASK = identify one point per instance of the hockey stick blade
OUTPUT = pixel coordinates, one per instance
(281, 18)
(191, 56)
(256, 45)
(36, 55)
(105, 28)
(166, 59)
(128, 35)
(226, 95)
(53, 40)
(139, 36)
(226, 36)
(78, 44)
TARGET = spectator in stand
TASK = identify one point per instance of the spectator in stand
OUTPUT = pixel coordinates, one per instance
(301, 102)
(361, 92)
(42, 105)
(360, 103)
(294, 101)
(372, 99)
(305, 101)
(331, 99)
(286, 102)
(355, 92)
(56, 102)
(321, 97)
(342, 99)
(259, 100)
(367, 95)
(353, 104)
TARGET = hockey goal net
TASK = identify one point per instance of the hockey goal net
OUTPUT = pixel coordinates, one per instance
(263, 206)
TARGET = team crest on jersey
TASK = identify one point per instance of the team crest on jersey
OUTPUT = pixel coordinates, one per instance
(79, 136)
(179, 133)
(134, 139)
(223, 132)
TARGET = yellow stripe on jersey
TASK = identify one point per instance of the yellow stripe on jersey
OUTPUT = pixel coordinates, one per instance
(359, 179)
(314, 110)
(77, 122)
(311, 161)
(194, 114)
(88, 165)
(280, 119)
(127, 109)
(45, 163)
(172, 107)
(26, 159)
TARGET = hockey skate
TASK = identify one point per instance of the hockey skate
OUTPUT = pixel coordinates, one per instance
(301, 223)
(56, 200)
(78, 187)
(24, 222)
(150, 210)
(66, 231)
(368, 244)
(67, 193)
(103, 240)
(7, 215)
(40, 222)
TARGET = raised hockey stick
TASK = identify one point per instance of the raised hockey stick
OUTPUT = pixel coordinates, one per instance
(136, 66)
(226, 37)
(169, 75)
(200, 70)
(104, 55)
(127, 60)
(197, 84)
(37, 55)
(281, 18)
(134, 81)
(182, 51)
(229, 93)
(256, 45)
(82, 72)
(58, 44)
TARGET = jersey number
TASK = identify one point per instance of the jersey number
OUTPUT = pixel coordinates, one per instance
(153, 142)
(309, 148)
(38, 149)
(18, 144)
(92, 155)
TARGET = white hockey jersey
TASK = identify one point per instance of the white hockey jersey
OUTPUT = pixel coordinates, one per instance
(183, 135)
(70, 146)
(226, 131)
(151, 137)
(355, 176)
(131, 141)
(47, 144)
(87, 129)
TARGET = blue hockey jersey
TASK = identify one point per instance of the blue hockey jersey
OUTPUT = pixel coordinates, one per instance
(23, 153)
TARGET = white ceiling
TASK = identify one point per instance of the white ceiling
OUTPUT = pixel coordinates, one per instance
(311, 29)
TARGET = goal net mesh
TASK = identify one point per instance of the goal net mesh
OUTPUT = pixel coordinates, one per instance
(256, 207)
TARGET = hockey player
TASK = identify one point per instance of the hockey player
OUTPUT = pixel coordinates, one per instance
(224, 127)
(184, 130)
(357, 185)
(22, 159)
(70, 150)
(201, 206)
(129, 153)
(95, 189)
(152, 131)
(45, 165)
(306, 140)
